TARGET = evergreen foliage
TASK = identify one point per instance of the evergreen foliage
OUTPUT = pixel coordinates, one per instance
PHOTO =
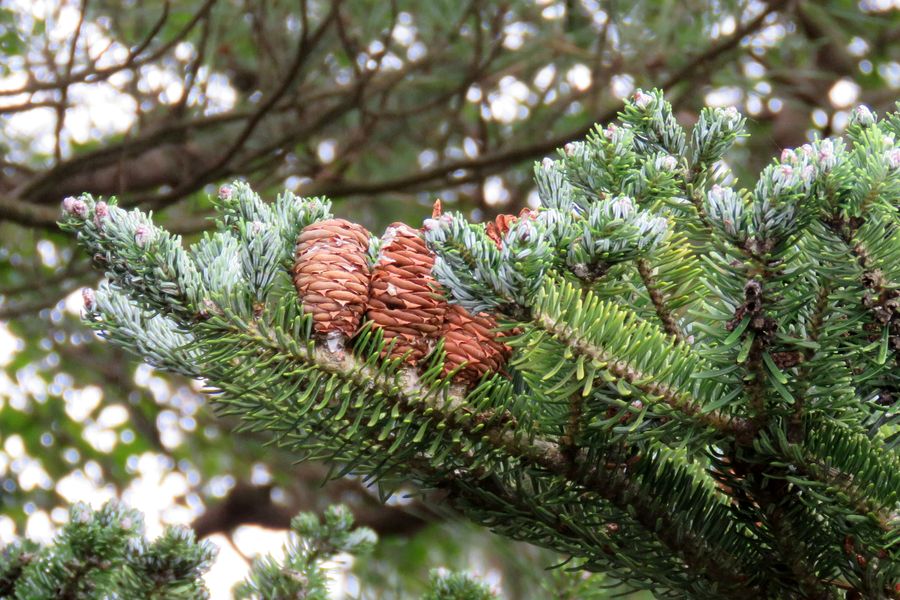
(104, 554)
(702, 397)
(456, 586)
(301, 575)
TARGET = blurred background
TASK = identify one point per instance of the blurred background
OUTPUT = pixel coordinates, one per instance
(383, 106)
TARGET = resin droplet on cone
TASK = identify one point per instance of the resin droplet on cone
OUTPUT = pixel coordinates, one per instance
(331, 275)
(403, 296)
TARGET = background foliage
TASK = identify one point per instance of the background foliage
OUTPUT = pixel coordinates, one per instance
(383, 106)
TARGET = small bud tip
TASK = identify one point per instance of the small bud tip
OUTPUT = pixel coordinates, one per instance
(893, 158)
(641, 99)
(142, 235)
(87, 295)
(75, 207)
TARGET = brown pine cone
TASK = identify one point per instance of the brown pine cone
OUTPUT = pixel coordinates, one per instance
(331, 275)
(499, 227)
(404, 299)
(470, 338)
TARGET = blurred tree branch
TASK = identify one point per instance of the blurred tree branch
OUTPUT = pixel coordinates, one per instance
(167, 160)
(247, 504)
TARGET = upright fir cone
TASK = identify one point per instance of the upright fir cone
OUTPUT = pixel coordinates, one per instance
(471, 339)
(498, 228)
(404, 299)
(331, 275)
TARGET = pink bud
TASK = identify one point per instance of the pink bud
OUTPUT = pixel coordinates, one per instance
(787, 155)
(610, 131)
(82, 516)
(826, 150)
(80, 209)
(547, 163)
(87, 295)
(225, 192)
(893, 158)
(642, 100)
(668, 163)
(864, 115)
(101, 211)
(622, 207)
(75, 207)
(142, 235)
(569, 149)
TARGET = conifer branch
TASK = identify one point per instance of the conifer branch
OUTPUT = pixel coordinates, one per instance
(613, 486)
(404, 388)
(795, 432)
(670, 325)
(555, 314)
(734, 448)
(656, 517)
(642, 381)
(639, 508)
(789, 542)
(569, 438)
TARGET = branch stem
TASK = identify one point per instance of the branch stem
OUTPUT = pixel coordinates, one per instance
(669, 324)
